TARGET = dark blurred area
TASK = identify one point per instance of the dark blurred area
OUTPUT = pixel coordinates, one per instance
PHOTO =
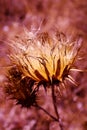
(68, 16)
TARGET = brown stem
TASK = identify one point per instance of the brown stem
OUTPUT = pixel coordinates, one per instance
(39, 107)
(55, 107)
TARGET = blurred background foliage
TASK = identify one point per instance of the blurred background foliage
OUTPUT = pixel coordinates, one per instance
(69, 16)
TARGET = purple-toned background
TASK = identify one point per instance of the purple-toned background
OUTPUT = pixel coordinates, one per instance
(69, 16)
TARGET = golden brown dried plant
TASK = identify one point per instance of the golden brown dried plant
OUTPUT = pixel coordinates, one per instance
(40, 59)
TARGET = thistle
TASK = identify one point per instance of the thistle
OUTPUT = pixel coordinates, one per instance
(20, 89)
(37, 60)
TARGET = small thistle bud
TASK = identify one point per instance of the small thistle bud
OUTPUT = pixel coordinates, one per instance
(20, 88)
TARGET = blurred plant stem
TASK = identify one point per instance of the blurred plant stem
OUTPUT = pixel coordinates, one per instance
(55, 107)
(41, 108)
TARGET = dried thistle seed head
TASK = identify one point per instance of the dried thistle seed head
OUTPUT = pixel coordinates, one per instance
(21, 89)
(44, 58)
(40, 59)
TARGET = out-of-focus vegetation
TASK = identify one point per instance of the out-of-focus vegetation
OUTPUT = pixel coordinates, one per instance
(67, 16)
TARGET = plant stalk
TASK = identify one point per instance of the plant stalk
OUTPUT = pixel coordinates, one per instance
(41, 108)
(55, 107)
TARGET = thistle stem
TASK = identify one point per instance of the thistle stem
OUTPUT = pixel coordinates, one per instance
(55, 107)
(41, 108)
